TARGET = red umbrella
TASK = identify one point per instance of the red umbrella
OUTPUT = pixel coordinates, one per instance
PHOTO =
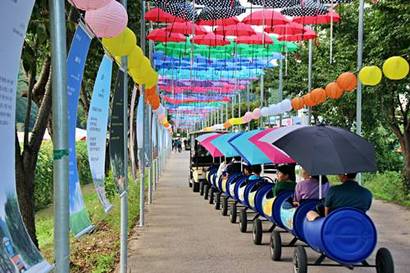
(240, 29)
(219, 22)
(162, 35)
(159, 16)
(288, 29)
(265, 17)
(210, 39)
(307, 35)
(186, 28)
(256, 39)
(318, 19)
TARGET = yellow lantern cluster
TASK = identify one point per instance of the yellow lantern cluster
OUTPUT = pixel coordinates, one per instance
(394, 68)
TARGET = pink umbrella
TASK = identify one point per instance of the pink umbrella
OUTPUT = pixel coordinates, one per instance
(276, 155)
(205, 141)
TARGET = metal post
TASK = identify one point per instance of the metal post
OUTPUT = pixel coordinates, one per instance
(262, 86)
(359, 66)
(144, 127)
(226, 111)
(149, 153)
(310, 76)
(280, 89)
(248, 97)
(124, 196)
(60, 137)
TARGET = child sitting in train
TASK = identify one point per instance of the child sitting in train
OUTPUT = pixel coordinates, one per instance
(309, 188)
(285, 179)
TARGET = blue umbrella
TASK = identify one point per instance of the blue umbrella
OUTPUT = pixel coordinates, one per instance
(249, 151)
(224, 146)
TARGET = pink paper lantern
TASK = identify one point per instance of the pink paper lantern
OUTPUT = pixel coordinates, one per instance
(89, 4)
(256, 113)
(248, 116)
(107, 21)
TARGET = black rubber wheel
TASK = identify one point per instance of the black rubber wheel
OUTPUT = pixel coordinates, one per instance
(234, 214)
(300, 260)
(195, 187)
(224, 206)
(206, 191)
(201, 187)
(243, 221)
(384, 261)
(190, 183)
(218, 201)
(211, 196)
(257, 232)
(275, 246)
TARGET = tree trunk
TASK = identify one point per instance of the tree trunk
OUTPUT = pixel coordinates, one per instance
(406, 155)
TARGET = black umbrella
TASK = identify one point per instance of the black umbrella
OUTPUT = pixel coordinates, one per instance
(327, 150)
(306, 8)
(219, 3)
(215, 13)
(335, 1)
(275, 4)
(178, 8)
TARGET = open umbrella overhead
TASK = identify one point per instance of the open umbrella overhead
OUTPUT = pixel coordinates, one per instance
(210, 39)
(307, 35)
(178, 8)
(305, 8)
(272, 152)
(207, 144)
(265, 17)
(325, 149)
(162, 35)
(275, 4)
(256, 39)
(239, 29)
(215, 13)
(320, 19)
(222, 144)
(219, 22)
(159, 16)
(249, 151)
(286, 29)
(186, 28)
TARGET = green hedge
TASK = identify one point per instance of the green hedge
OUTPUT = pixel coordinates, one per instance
(43, 179)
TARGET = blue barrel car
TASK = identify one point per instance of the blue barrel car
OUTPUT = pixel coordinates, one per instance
(346, 236)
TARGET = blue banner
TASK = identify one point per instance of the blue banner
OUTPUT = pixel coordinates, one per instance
(97, 129)
(17, 251)
(80, 223)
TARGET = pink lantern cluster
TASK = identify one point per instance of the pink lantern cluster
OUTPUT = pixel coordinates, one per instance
(106, 18)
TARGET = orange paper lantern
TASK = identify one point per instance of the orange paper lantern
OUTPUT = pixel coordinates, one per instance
(297, 103)
(347, 81)
(318, 95)
(227, 125)
(334, 91)
(308, 101)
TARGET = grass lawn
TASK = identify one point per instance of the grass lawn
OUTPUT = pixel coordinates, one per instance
(97, 252)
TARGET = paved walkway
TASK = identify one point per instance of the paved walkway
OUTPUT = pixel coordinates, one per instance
(184, 234)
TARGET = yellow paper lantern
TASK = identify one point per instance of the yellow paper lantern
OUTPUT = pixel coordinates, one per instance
(396, 68)
(122, 44)
(370, 75)
(235, 121)
(135, 58)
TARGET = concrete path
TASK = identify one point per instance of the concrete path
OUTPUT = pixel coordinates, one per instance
(184, 234)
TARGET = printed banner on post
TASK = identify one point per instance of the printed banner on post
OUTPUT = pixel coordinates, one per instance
(17, 251)
(117, 134)
(80, 223)
(97, 129)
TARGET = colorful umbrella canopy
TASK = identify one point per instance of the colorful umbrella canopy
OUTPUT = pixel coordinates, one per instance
(159, 16)
(215, 13)
(305, 8)
(322, 19)
(162, 35)
(207, 144)
(210, 39)
(265, 17)
(219, 3)
(177, 8)
(222, 144)
(275, 3)
(273, 153)
(249, 151)
(308, 35)
(256, 39)
(287, 29)
(186, 28)
(239, 29)
(219, 22)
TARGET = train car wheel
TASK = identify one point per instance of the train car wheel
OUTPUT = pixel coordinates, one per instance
(211, 196)
(224, 206)
(195, 187)
(206, 191)
(233, 215)
(300, 260)
(384, 261)
(275, 246)
(243, 221)
(201, 187)
(218, 201)
(257, 232)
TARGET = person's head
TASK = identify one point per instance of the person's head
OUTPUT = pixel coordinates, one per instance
(305, 174)
(256, 169)
(247, 170)
(347, 176)
(324, 178)
(286, 173)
